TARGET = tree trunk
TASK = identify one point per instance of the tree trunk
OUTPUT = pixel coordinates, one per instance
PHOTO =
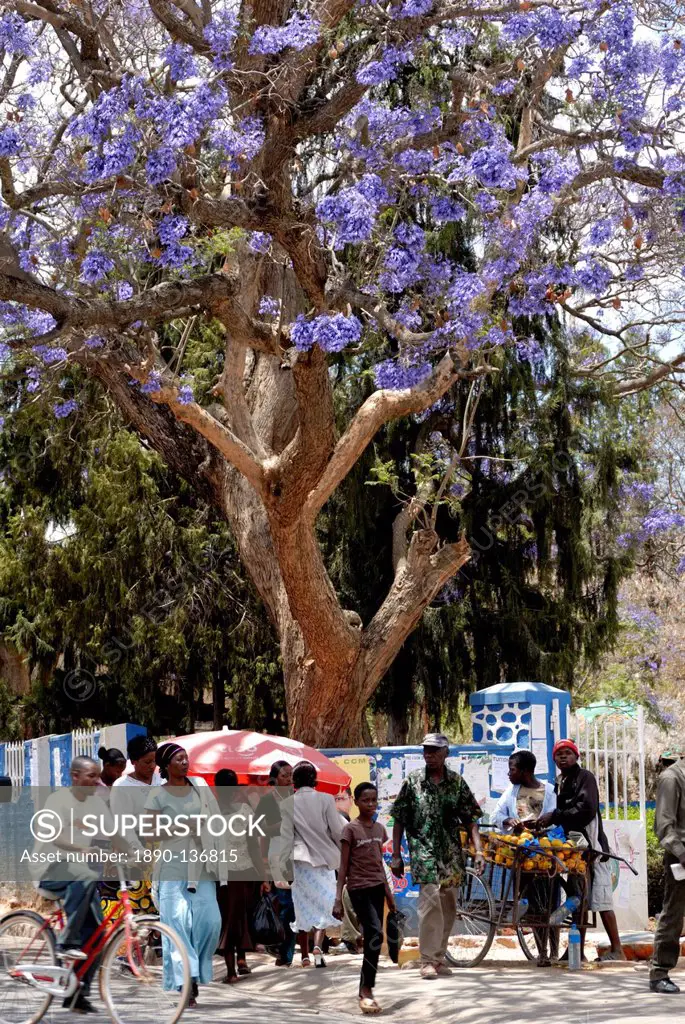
(218, 700)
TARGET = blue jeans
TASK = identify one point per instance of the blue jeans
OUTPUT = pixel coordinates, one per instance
(286, 914)
(84, 914)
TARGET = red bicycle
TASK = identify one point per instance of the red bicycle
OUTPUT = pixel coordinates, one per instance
(131, 970)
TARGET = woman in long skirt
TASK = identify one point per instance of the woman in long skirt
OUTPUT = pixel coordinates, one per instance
(185, 894)
(313, 833)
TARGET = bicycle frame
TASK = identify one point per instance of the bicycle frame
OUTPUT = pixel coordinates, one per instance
(122, 911)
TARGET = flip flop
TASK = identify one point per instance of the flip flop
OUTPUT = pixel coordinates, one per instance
(369, 1006)
(306, 962)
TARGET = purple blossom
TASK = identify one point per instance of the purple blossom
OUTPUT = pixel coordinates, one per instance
(181, 60)
(331, 331)
(269, 306)
(94, 341)
(445, 210)
(299, 32)
(176, 256)
(221, 34)
(680, 568)
(486, 203)
(10, 143)
(185, 394)
(416, 8)
(505, 88)
(384, 70)
(161, 164)
(35, 379)
(639, 490)
(241, 143)
(394, 376)
(492, 167)
(556, 173)
(529, 350)
(50, 355)
(601, 231)
(15, 35)
(594, 277)
(172, 228)
(260, 241)
(353, 211)
(64, 409)
(96, 266)
(153, 383)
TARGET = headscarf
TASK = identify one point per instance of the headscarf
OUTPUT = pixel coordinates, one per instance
(165, 753)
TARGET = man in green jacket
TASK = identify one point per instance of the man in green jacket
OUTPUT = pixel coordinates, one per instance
(431, 806)
(669, 826)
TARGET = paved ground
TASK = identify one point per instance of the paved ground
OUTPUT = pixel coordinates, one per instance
(499, 992)
(516, 994)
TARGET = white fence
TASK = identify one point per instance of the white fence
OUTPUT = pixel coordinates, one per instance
(14, 763)
(84, 742)
(612, 746)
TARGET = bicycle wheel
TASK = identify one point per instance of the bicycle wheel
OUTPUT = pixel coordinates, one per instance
(474, 925)
(132, 988)
(527, 942)
(24, 938)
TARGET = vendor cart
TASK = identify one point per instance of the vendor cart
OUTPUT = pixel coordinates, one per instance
(521, 887)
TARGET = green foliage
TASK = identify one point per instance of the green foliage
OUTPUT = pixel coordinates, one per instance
(112, 571)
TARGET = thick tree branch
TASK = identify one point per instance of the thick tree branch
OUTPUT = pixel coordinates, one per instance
(631, 387)
(163, 302)
(218, 435)
(378, 409)
(418, 580)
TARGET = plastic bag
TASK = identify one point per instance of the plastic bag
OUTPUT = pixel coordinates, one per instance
(265, 927)
(394, 933)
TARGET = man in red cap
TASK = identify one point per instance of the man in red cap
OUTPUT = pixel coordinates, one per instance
(578, 811)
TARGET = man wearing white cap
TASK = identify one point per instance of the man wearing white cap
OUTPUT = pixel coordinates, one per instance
(431, 807)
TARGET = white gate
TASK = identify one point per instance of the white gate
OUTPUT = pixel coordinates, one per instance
(14, 763)
(612, 747)
(84, 742)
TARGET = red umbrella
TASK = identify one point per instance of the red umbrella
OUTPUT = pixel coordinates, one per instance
(251, 754)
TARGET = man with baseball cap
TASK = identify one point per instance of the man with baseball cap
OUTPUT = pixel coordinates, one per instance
(578, 811)
(431, 806)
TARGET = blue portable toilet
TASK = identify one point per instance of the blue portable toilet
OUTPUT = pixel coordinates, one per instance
(532, 716)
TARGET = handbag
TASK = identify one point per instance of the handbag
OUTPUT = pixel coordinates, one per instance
(394, 933)
(266, 928)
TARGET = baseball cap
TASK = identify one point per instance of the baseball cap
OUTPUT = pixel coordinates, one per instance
(435, 739)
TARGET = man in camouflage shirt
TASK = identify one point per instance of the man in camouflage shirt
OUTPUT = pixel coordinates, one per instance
(431, 807)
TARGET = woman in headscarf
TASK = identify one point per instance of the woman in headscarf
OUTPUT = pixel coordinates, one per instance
(185, 887)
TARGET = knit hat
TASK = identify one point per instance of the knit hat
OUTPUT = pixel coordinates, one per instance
(565, 744)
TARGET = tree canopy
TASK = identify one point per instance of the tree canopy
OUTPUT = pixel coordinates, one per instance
(295, 179)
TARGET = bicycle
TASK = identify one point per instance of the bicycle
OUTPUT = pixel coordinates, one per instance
(131, 982)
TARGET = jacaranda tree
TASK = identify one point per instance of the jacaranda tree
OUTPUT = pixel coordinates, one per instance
(283, 174)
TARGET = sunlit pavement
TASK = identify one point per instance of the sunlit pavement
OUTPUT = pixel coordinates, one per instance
(501, 993)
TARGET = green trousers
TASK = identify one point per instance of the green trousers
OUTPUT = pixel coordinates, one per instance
(670, 925)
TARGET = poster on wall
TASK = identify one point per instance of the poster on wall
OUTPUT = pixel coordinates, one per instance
(358, 767)
(629, 840)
